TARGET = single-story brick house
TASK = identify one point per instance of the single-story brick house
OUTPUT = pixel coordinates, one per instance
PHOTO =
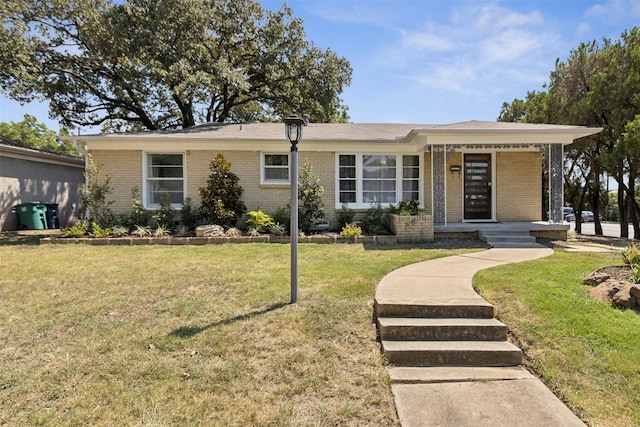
(29, 175)
(462, 173)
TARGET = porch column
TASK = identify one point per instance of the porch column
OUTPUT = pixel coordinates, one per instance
(438, 167)
(556, 183)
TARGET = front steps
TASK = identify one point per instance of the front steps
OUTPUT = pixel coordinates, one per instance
(507, 239)
(440, 335)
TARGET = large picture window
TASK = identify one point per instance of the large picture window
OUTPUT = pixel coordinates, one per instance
(275, 169)
(366, 179)
(164, 178)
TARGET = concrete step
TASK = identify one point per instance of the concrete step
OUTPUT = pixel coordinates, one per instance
(421, 329)
(463, 308)
(507, 239)
(452, 353)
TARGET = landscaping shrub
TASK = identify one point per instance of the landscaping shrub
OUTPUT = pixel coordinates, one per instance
(376, 221)
(222, 197)
(311, 207)
(351, 231)
(138, 214)
(411, 208)
(258, 221)
(79, 229)
(164, 216)
(188, 217)
(345, 216)
(282, 218)
(93, 197)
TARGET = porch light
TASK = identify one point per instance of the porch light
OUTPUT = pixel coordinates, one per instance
(293, 131)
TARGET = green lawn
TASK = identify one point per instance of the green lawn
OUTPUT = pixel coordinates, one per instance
(585, 350)
(194, 335)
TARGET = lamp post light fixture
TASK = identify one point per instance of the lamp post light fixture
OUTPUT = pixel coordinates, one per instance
(293, 130)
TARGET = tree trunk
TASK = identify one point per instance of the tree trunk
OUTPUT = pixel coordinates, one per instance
(622, 209)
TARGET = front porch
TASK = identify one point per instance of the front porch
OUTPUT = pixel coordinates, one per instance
(541, 229)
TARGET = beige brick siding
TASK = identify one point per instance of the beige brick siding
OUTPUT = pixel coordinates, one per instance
(124, 169)
(519, 186)
(518, 181)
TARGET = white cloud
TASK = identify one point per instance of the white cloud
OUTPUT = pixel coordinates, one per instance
(494, 17)
(615, 11)
(431, 41)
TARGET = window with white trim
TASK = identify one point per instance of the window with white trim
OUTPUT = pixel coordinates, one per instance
(366, 179)
(275, 168)
(164, 177)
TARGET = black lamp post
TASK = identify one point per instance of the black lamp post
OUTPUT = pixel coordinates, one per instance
(293, 130)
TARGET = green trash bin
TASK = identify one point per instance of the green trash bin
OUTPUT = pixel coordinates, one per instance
(32, 215)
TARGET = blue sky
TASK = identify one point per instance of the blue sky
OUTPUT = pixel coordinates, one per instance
(427, 61)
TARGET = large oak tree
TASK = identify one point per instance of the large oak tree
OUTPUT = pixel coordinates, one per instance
(161, 64)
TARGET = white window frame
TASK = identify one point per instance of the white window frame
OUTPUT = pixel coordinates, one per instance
(263, 166)
(360, 204)
(146, 202)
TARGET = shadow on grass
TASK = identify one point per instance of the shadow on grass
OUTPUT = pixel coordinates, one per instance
(189, 331)
(12, 239)
(448, 243)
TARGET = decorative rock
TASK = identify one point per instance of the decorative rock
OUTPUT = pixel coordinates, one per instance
(596, 279)
(209, 231)
(624, 299)
(635, 291)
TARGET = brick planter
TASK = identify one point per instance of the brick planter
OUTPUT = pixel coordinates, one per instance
(412, 229)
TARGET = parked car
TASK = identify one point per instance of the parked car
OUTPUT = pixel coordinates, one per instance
(587, 216)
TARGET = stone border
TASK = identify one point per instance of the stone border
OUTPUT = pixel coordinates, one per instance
(177, 241)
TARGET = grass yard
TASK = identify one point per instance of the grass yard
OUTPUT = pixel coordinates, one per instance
(585, 350)
(195, 335)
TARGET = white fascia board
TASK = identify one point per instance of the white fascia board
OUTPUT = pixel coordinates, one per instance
(163, 144)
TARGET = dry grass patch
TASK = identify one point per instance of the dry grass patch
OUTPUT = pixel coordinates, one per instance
(96, 335)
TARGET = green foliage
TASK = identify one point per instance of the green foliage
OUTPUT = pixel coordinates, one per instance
(277, 229)
(376, 221)
(98, 231)
(351, 231)
(93, 196)
(259, 221)
(182, 62)
(411, 208)
(345, 216)
(139, 215)
(160, 231)
(119, 231)
(164, 216)
(142, 231)
(631, 254)
(188, 215)
(222, 197)
(78, 229)
(36, 135)
(311, 207)
(283, 218)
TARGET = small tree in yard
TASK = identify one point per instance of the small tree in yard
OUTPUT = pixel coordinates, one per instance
(93, 197)
(222, 197)
(311, 209)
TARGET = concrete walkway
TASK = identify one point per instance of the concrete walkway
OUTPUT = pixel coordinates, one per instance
(466, 396)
